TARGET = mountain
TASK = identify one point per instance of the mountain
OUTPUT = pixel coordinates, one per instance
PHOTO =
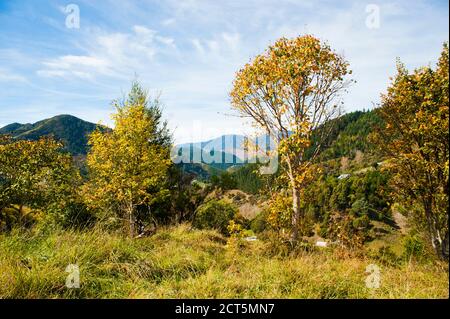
(70, 130)
(348, 135)
(219, 153)
(225, 151)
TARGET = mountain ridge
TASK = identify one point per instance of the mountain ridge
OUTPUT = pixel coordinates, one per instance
(349, 134)
(72, 131)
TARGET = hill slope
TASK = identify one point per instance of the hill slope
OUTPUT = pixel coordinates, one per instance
(70, 130)
(349, 133)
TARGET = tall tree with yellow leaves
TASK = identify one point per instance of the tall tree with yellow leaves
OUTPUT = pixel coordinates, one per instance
(128, 165)
(415, 138)
(289, 91)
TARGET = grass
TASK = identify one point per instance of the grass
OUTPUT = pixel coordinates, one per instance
(180, 262)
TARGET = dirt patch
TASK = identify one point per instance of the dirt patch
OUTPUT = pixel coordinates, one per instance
(249, 211)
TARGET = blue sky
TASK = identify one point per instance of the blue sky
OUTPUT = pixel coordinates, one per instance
(190, 50)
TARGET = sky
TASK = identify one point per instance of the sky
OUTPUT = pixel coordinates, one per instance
(75, 57)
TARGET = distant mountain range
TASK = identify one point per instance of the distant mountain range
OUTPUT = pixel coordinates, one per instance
(349, 134)
(225, 151)
(70, 130)
(227, 144)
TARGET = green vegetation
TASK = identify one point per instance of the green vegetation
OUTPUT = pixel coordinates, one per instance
(214, 214)
(68, 129)
(362, 190)
(180, 262)
(415, 138)
(128, 167)
(35, 176)
(348, 135)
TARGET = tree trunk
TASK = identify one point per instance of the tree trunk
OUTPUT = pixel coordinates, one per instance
(295, 202)
(131, 221)
(445, 247)
(295, 213)
(436, 239)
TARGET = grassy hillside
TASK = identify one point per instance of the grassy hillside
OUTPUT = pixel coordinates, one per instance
(70, 130)
(179, 262)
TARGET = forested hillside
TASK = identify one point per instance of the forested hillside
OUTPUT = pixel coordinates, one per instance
(70, 130)
(349, 134)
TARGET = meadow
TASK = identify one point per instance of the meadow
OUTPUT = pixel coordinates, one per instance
(182, 262)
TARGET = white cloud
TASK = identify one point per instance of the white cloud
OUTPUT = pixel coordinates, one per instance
(111, 54)
(53, 73)
(83, 67)
(232, 40)
(68, 61)
(144, 32)
(166, 41)
(169, 22)
(198, 46)
(223, 47)
(9, 76)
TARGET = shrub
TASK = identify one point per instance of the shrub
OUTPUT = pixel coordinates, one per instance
(280, 212)
(260, 223)
(280, 217)
(414, 247)
(386, 256)
(76, 215)
(344, 228)
(225, 181)
(361, 223)
(215, 214)
(248, 179)
(12, 217)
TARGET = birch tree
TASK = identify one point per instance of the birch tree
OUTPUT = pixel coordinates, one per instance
(290, 91)
(128, 165)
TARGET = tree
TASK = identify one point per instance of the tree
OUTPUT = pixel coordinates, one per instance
(214, 214)
(128, 166)
(35, 174)
(160, 134)
(416, 139)
(289, 91)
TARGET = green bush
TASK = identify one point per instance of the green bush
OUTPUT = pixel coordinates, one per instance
(76, 215)
(260, 223)
(225, 181)
(387, 256)
(247, 179)
(414, 247)
(214, 214)
(344, 227)
(362, 222)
